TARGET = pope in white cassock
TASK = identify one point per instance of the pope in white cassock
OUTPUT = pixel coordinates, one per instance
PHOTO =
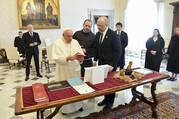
(65, 52)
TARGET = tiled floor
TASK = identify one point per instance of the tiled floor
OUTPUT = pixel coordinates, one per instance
(11, 79)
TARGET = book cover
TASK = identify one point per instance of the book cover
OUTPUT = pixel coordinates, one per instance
(75, 81)
(58, 85)
(39, 92)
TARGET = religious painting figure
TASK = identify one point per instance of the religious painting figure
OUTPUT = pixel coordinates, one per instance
(42, 14)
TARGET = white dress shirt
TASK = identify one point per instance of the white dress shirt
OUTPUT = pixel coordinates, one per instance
(104, 34)
(119, 33)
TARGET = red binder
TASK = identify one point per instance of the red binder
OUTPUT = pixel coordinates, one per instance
(39, 92)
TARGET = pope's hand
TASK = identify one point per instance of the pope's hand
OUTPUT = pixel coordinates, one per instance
(79, 56)
(80, 59)
(71, 58)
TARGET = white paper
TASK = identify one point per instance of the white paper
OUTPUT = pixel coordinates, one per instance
(97, 75)
(83, 89)
(88, 72)
(144, 71)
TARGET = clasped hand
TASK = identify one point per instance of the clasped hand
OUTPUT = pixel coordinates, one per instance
(153, 52)
(77, 56)
(33, 44)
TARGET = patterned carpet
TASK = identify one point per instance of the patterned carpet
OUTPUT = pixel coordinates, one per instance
(168, 108)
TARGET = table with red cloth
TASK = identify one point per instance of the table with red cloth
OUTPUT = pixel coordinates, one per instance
(25, 100)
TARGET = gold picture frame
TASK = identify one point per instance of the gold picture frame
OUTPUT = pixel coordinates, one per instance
(42, 14)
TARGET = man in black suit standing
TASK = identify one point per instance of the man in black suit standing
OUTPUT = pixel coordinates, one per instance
(108, 50)
(124, 42)
(18, 43)
(31, 41)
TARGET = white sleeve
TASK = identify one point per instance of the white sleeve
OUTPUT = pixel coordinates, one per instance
(57, 55)
(79, 48)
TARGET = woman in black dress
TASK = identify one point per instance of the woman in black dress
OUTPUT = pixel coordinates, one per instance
(173, 54)
(154, 45)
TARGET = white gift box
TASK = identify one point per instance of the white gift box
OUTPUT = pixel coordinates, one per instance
(96, 74)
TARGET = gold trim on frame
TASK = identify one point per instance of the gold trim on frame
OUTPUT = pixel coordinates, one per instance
(39, 19)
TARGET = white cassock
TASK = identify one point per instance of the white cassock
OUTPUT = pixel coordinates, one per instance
(65, 70)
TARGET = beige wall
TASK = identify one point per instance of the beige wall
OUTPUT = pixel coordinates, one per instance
(122, 8)
(73, 12)
(168, 20)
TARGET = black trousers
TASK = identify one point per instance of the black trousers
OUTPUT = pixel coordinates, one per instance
(121, 62)
(86, 63)
(36, 60)
(109, 99)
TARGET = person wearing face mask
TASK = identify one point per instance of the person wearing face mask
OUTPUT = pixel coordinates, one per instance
(173, 54)
(86, 39)
(154, 45)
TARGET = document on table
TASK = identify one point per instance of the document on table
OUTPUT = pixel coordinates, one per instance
(80, 86)
(144, 71)
(83, 88)
(75, 81)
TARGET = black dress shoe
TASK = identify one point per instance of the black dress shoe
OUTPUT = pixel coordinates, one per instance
(102, 103)
(26, 78)
(108, 106)
(172, 79)
(169, 78)
(64, 113)
(39, 75)
(81, 109)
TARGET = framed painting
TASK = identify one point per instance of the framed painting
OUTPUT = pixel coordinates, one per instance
(42, 14)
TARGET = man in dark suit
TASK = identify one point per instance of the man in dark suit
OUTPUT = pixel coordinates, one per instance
(18, 43)
(124, 42)
(31, 41)
(108, 50)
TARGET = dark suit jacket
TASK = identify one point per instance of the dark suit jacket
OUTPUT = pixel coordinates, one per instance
(124, 39)
(18, 42)
(124, 42)
(29, 39)
(110, 50)
(86, 41)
